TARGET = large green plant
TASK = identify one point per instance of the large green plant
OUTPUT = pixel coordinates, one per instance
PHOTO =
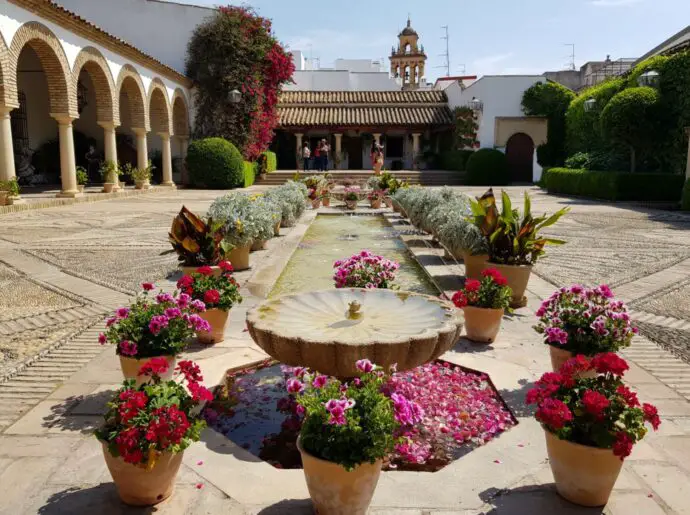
(196, 242)
(513, 239)
(487, 167)
(215, 163)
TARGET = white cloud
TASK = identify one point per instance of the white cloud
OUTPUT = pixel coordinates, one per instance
(613, 3)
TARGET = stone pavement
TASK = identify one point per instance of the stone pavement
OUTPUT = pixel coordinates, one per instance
(61, 268)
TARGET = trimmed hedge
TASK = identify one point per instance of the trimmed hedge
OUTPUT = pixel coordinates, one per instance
(249, 172)
(487, 167)
(614, 185)
(685, 199)
(271, 161)
(454, 160)
(215, 163)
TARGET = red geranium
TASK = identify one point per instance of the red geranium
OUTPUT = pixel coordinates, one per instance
(623, 445)
(459, 299)
(148, 286)
(651, 415)
(211, 296)
(154, 367)
(226, 266)
(204, 270)
(221, 292)
(488, 293)
(554, 413)
(609, 362)
(185, 281)
(472, 285)
(594, 402)
(629, 396)
(495, 275)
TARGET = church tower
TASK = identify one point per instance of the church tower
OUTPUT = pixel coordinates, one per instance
(407, 61)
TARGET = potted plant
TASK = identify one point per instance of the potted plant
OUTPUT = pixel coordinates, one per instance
(196, 242)
(153, 327)
(483, 303)
(326, 197)
(351, 197)
(267, 217)
(591, 424)
(581, 320)
(514, 241)
(365, 270)
(315, 198)
(148, 427)
(242, 227)
(110, 171)
(142, 176)
(375, 197)
(347, 430)
(218, 293)
(9, 191)
(82, 178)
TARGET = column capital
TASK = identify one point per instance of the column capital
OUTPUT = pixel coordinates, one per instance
(109, 126)
(165, 136)
(63, 118)
(299, 134)
(6, 109)
(139, 131)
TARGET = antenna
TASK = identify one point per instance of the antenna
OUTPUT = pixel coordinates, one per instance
(447, 54)
(571, 57)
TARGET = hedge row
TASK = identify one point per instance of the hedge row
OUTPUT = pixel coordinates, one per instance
(271, 161)
(455, 160)
(249, 172)
(614, 185)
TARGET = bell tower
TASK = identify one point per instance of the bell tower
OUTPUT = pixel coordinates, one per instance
(407, 61)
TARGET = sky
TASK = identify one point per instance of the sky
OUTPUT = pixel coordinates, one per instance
(485, 36)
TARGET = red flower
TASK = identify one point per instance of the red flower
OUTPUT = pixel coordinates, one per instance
(199, 392)
(226, 266)
(609, 362)
(595, 403)
(211, 297)
(629, 396)
(204, 270)
(651, 415)
(548, 384)
(155, 366)
(554, 413)
(128, 442)
(132, 402)
(472, 285)
(459, 299)
(185, 281)
(622, 447)
(167, 427)
(148, 286)
(190, 370)
(495, 275)
(574, 366)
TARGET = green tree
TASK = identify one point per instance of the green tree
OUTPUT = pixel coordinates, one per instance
(632, 118)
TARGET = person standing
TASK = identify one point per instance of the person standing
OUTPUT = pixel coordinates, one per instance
(317, 157)
(306, 154)
(325, 149)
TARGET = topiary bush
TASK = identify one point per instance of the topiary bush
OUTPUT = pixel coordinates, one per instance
(215, 163)
(487, 167)
(454, 160)
(249, 173)
(271, 161)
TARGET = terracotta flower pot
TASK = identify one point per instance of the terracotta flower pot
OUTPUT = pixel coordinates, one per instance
(139, 185)
(560, 356)
(130, 368)
(388, 201)
(326, 201)
(239, 257)
(584, 475)
(482, 324)
(351, 204)
(376, 204)
(276, 229)
(316, 204)
(518, 277)
(80, 188)
(108, 187)
(218, 318)
(474, 264)
(187, 270)
(334, 490)
(137, 486)
(259, 245)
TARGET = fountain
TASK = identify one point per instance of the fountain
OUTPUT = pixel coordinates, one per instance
(330, 330)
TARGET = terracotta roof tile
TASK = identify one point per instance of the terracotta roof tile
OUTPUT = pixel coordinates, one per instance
(363, 97)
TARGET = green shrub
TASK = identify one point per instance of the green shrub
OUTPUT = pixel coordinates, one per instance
(215, 163)
(614, 185)
(487, 167)
(271, 161)
(685, 199)
(454, 160)
(249, 173)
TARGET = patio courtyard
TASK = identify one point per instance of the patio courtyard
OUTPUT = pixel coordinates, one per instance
(63, 269)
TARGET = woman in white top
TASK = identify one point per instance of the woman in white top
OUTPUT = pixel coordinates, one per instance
(306, 154)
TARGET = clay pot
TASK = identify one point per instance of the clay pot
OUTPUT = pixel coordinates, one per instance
(388, 201)
(276, 229)
(108, 187)
(316, 204)
(584, 475)
(474, 264)
(376, 204)
(518, 277)
(130, 368)
(351, 204)
(239, 257)
(139, 185)
(482, 324)
(334, 490)
(137, 486)
(560, 356)
(218, 318)
(187, 270)
(326, 201)
(259, 245)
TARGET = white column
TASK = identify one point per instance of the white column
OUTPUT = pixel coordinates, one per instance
(338, 151)
(7, 169)
(142, 151)
(167, 160)
(415, 150)
(68, 169)
(687, 166)
(110, 144)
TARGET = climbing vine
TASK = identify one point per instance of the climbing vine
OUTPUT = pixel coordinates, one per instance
(465, 128)
(236, 50)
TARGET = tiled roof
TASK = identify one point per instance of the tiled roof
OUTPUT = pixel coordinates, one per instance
(62, 16)
(363, 108)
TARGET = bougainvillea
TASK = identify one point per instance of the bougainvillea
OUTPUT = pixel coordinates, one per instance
(236, 50)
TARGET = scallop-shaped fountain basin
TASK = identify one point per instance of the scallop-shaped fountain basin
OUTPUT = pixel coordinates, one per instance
(330, 330)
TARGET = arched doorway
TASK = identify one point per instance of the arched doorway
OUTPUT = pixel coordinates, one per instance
(520, 155)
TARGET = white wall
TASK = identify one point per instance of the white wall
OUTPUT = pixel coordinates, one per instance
(358, 65)
(342, 80)
(160, 29)
(501, 95)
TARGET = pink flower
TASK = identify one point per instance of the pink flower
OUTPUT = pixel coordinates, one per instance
(162, 298)
(183, 300)
(102, 338)
(556, 335)
(294, 386)
(128, 348)
(198, 305)
(319, 381)
(122, 312)
(364, 365)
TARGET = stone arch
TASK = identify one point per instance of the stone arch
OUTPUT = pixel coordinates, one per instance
(180, 114)
(54, 62)
(159, 107)
(520, 155)
(107, 103)
(129, 83)
(8, 83)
